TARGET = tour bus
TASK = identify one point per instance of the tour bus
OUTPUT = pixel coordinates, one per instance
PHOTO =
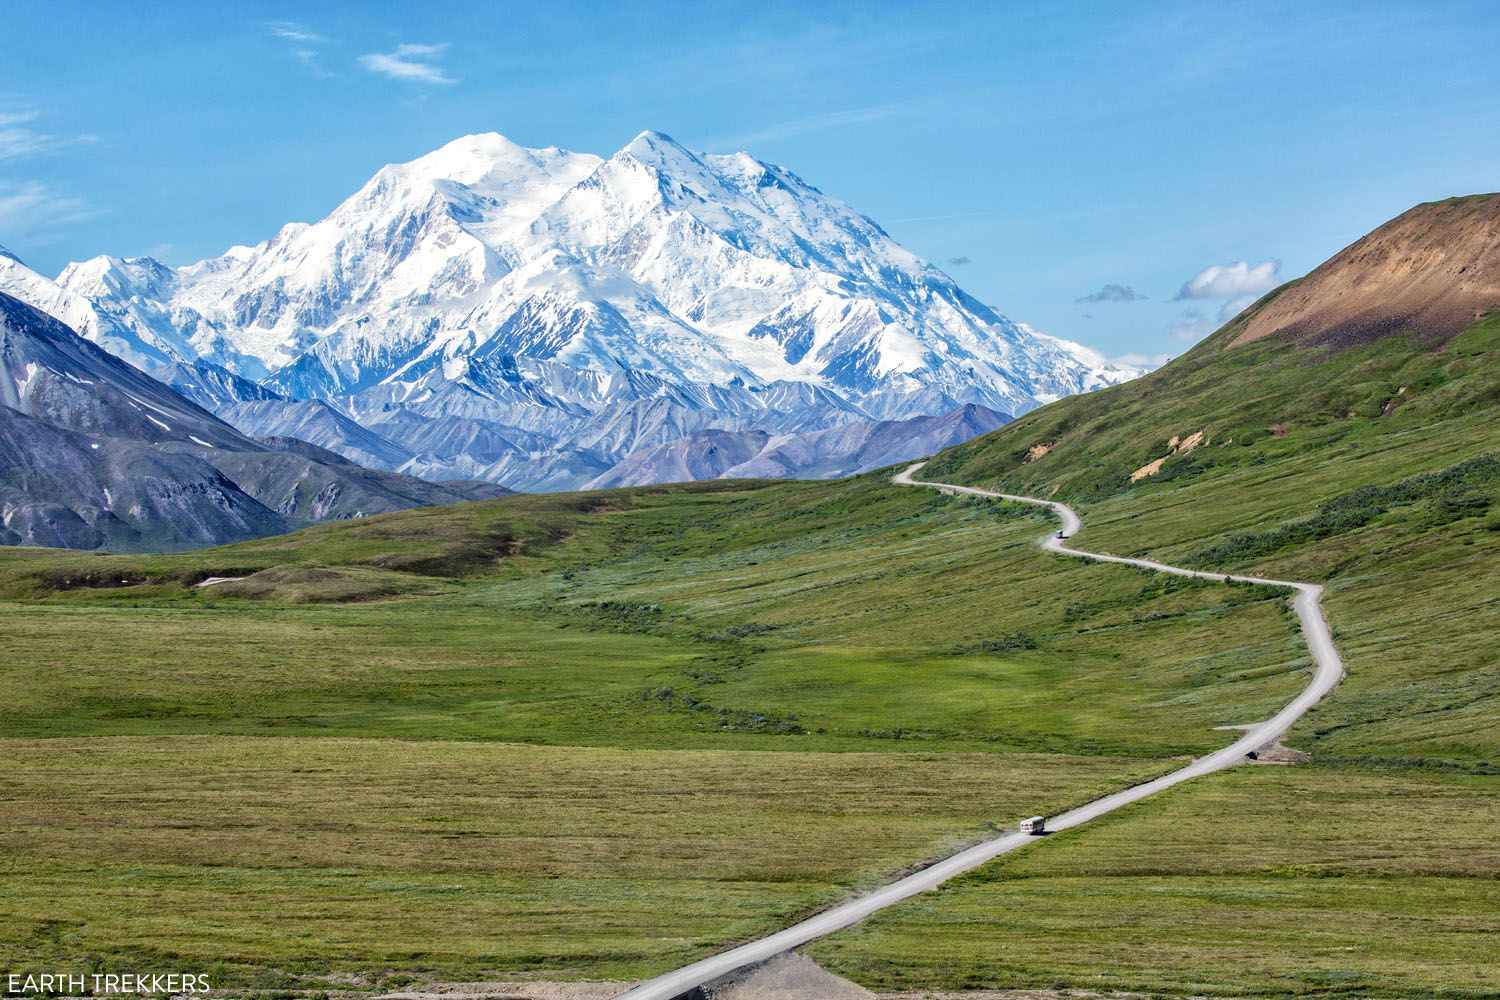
(1036, 824)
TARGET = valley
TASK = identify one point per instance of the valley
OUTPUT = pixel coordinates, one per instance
(300, 694)
(694, 676)
(751, 620)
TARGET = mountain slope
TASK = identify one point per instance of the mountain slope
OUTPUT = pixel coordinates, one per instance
(1323, 356)
(97, 453)
(63, 489)
(1365, 453)
(842, 450)
(1433, 271)
(210, 386)
(557, 290)
(98, 322)
(318, 422)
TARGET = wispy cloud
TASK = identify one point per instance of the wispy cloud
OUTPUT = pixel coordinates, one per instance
(1145, 362)
(20, 137)
(1113, 293)
(413, 63)
(813, 123)
(959, 261)
(305, 44)
(33, 206)
(294, 32)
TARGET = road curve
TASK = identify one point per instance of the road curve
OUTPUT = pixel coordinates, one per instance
(1329, 670)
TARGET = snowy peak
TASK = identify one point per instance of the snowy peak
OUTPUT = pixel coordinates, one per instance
(679, 171)
(485, 174)
(658, 275)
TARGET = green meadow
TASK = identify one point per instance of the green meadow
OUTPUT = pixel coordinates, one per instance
(676, 718)
(1262, 881)
(599, 735)
(1372, 870)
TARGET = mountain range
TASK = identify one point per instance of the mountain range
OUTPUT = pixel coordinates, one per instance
(841, 450)
(535, 317)
(95, 453)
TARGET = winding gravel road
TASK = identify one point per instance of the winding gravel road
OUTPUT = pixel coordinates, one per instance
(1330, 669)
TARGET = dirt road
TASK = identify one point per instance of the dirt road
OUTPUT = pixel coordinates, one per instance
(1329, 670)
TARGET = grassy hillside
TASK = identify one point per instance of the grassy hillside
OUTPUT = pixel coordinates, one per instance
(776, 692)
(842, 616)
(1374, 469)
(1367, 456)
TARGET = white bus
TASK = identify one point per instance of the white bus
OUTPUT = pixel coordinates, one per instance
(1034, 825)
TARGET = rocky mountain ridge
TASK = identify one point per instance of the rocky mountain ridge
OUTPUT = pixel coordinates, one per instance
(95, 453)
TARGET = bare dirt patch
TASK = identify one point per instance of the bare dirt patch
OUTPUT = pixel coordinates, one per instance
(787, 977)
(1176, 446)
(1273, 753)
(1279, 754)
(1431, 271)
(510, 991)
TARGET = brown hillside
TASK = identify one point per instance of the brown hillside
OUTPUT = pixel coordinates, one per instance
(1432, 271)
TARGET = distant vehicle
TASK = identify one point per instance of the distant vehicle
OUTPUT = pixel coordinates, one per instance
(1060, 534)
(1034, 825)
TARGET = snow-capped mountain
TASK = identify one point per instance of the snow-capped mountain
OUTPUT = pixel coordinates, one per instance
(94, 452)
(600, 303)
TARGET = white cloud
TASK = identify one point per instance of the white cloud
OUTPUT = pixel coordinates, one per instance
(416, 63)
(1232, 281)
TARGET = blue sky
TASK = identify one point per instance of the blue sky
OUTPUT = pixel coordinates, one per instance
(1043, 154)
